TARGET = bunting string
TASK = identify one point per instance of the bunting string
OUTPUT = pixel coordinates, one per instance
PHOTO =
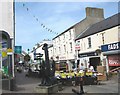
(37, 19)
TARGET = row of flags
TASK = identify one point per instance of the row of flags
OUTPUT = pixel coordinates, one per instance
(41, 24)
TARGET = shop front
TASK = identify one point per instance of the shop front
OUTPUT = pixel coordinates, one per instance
(6, 66)
(112, 53)
(89, 59)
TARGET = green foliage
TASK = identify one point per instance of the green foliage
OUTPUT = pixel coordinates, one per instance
(27, 58)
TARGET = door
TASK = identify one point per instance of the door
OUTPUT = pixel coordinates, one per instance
(94, 61)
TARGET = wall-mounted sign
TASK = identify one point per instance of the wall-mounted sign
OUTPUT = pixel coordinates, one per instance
(18, 49)
(4, 54)
(110, 47)
(9, 51)
(114, 60)
(62, 58)
(77, 45)
(87, 54)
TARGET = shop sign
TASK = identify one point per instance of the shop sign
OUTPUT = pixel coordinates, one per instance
(9, 51)
(4, 54)
(62, 58)
(114, 60)
(110, 47)
(77, 46)
(18, 49)
(87, 54)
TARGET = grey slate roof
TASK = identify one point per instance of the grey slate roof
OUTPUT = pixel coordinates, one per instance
(101, 26)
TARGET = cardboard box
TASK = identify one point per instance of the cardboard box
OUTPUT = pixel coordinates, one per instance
(101, 78)
(101, 69)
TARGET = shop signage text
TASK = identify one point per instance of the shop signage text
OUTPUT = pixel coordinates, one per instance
(114, 60)
(109, 47)
(87, 54)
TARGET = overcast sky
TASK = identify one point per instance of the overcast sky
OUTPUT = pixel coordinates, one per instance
(54, 15)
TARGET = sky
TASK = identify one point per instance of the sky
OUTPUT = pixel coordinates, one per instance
(56, 16)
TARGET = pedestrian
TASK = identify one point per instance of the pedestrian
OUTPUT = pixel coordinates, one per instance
(42, 72)
(52, 67)
(82, 67)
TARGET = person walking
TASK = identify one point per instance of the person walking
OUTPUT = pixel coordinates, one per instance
(52, 67)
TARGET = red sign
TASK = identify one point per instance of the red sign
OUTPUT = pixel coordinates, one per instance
(114, 60)
(77, 47)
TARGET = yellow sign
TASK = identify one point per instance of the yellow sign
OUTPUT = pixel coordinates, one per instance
(9, 50)
(4, 54)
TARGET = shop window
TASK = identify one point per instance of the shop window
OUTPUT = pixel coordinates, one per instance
(89, 42)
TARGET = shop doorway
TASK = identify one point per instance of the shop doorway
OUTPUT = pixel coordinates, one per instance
(94, 61)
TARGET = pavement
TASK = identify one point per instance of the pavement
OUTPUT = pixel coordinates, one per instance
(27, 85)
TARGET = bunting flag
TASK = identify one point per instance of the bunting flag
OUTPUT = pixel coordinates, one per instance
(23, 5)
(37, 19)
(27, 9)
(42, 25)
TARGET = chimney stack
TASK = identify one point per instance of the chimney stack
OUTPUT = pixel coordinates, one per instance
(94, 12)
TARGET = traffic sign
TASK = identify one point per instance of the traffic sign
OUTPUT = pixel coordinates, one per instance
(38, 54)
(18, 49)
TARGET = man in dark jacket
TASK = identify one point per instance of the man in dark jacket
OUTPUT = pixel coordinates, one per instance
(52, 67)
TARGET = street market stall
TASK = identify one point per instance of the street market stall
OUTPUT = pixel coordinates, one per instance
(73, 77)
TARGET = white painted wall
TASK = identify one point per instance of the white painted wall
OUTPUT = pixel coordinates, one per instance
(7, 17)
(7, 22)
(110, 36)
(62, 46)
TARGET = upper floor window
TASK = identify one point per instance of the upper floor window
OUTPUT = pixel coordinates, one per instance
(81, 47)
(55, 49)
(71, 46)
(59, 50)
(59, 38)
(64, 48)
(70, 34)
(103, 38)
(64, 36)
(89, 42)
(51, 52)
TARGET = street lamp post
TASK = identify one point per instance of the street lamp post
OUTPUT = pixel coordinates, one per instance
(28, 50)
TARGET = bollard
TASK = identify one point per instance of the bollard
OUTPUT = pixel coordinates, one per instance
(81, 85)
(80, 91)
